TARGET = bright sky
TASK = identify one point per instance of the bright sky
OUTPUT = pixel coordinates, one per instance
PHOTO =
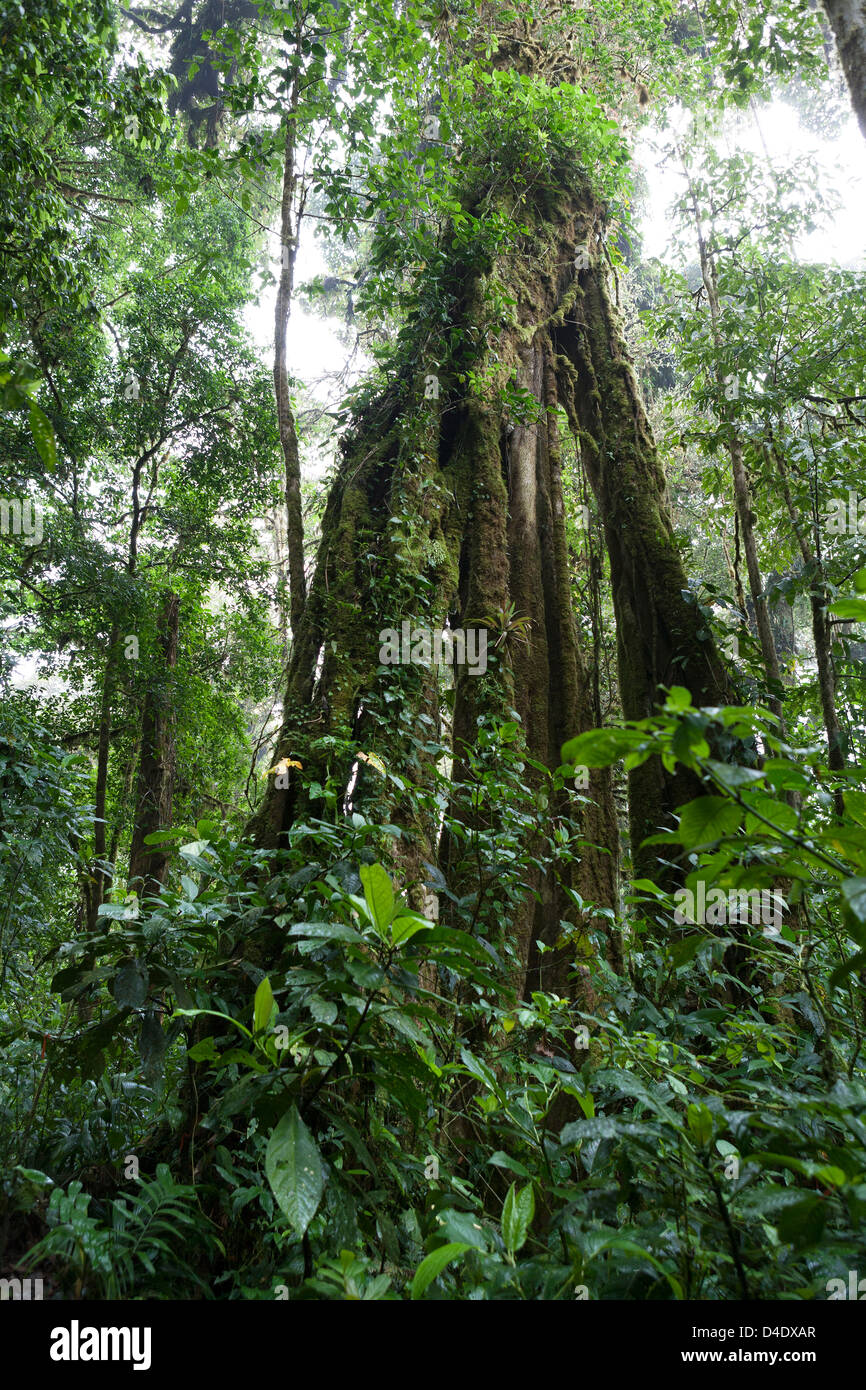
(778, 127)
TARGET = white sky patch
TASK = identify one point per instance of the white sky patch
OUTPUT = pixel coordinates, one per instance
(778, 128)
(312, 345)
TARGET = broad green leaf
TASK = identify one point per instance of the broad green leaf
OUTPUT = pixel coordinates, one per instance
(678, 698)
(683, 952)
(326, 931)
(119, 912)
(130, 985)
(802, 1223)
(854, 908)
(204, 1051)
(700, 1122)
(404, 927)
(194, 848)
(263, 1005)
(504, 1160)
(323, 1010)
(852, 610)
(43, 436)
(517, 1213)
(379, 896)
(431, 1267)
(707, 819)
(34, 1175)
(598, 747)
(294, 1170)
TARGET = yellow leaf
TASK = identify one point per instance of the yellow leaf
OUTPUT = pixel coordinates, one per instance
(374, 761)
(283, 766)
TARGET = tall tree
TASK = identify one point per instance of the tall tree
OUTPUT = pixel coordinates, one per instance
(511, 323)
(848, 22)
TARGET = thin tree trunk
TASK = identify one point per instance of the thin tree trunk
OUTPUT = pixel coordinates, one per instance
(742, 488)
(96, 879)
(285, 415)
(123, 803)
(155, 785)
(819, 599)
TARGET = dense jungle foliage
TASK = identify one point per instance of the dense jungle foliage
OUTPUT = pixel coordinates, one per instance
(341, 959)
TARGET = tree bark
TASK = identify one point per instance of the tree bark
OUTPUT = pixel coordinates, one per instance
(155, 785)
(819, 599)
(848, 22)
(96, 878)
(285, 414)
(660, 641)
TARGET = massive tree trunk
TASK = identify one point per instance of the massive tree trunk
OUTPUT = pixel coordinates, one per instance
(485, 518)
(498, 519)
(848, 21)
(661, 637)
(480, 538)
(155, 785)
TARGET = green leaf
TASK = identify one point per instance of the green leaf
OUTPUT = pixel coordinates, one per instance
(802, 1223)
(323, 1010)
(431, 1267)
(853, 610)
(294, 1170)
(682, 952)
(118, 912)
(678, 698)
(379, 895)
(130, 985)
(189, 887)
(598, 747)
(43, 436)
(700, 1122)
(192, 852)
(404, 927)
(504, 1160)
(34, 1175)
(325, 931)
(263, 1005)
(204, 1051)
(854, 908)
(461, 1226)
(517, 1213)
(152, 1043)
(706, 820)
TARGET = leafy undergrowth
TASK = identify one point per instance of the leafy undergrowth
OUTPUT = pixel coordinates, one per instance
(379, 1118)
